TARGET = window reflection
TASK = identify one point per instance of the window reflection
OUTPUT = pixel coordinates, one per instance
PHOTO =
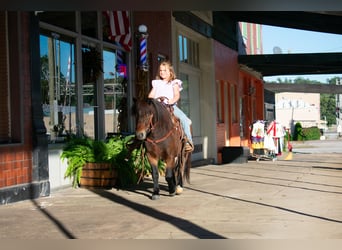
(57, 86)
(188, 51)
(115, 79)
(98, 105)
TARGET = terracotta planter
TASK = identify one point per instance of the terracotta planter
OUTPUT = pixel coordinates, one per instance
(98, 175)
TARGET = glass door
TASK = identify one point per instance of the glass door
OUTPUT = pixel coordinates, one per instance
(115, 80)
(91, 68)
(58, 85)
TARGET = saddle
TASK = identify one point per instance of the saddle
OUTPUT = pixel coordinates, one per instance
(176, 121)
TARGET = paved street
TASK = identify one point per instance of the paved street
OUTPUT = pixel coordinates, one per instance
(285, 199)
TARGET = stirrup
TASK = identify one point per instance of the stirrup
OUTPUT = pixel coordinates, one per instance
(189, 147)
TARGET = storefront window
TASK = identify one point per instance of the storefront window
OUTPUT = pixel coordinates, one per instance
(89, 96)
(115, 80)
(58, 86)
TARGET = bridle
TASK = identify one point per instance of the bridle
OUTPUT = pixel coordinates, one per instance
(152, 126)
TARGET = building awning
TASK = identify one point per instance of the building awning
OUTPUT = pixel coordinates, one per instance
(293, 64)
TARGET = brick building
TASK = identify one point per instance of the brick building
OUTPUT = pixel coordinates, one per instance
(44, 96)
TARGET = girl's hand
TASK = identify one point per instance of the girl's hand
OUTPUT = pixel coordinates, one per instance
(163, 99)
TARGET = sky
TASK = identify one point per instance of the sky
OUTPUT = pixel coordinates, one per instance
(300, 41)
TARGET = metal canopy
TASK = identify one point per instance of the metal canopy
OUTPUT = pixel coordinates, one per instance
(325, 21)
(293, 64)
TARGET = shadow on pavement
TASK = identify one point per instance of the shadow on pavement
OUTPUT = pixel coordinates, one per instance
(268, 205)
(270, 183)
(59, 225)
(180, 223)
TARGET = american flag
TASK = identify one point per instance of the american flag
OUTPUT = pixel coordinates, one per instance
(120, 30)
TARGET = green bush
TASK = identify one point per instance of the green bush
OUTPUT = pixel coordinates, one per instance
(298, 132)
(301, 134)
(312, 133)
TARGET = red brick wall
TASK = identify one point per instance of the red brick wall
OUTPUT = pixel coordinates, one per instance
(220, 140)
(227, 70)
(15, 166)
(159, 39)
(158, 42)
(16, 158)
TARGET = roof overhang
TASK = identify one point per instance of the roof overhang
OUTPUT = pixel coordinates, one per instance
(293, 64)
(324, 21)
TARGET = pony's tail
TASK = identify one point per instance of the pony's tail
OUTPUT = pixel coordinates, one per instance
(187, 167)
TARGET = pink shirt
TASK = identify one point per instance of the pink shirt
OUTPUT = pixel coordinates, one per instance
(163, 88)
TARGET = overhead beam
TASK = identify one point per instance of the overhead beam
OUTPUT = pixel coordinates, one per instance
(294, 64)
(304, 88)
(329, 22)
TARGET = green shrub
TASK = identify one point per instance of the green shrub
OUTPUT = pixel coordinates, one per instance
(298, 132)
(312, 133)
(301, 134)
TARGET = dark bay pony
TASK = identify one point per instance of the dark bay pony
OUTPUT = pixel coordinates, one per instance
(164, 139)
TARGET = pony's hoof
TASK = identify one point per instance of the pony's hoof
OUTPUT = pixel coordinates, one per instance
(155, 197)
(179, 190)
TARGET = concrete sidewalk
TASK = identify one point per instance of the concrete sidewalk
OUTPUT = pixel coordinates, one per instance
(294, 199)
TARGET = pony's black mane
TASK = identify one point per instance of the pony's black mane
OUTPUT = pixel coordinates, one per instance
(159, 107)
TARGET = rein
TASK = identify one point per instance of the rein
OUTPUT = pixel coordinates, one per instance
(162, 138)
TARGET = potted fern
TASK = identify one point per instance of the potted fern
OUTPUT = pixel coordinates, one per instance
(98, 163)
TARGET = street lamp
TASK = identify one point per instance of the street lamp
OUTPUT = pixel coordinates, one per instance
(142, 28)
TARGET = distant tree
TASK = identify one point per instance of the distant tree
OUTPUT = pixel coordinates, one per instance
(44, 78)
(328, 104)
(328, 109)
(301, 80)
(298, 80)
(298, 132)
(333, 80)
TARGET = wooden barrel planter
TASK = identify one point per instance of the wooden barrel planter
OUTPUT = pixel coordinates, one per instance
(98, 175)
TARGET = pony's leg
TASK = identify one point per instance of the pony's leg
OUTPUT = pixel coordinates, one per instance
(179, 177)
(170, 177)
(181, 167)
(155, 178)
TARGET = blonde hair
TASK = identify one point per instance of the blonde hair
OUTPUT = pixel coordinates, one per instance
(167, 64)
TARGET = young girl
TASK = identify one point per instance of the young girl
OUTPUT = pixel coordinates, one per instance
(166, 85)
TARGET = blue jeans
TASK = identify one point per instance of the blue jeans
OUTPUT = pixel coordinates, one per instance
(184, 120)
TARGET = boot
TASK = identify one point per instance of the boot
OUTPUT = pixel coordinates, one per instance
(189, 147)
